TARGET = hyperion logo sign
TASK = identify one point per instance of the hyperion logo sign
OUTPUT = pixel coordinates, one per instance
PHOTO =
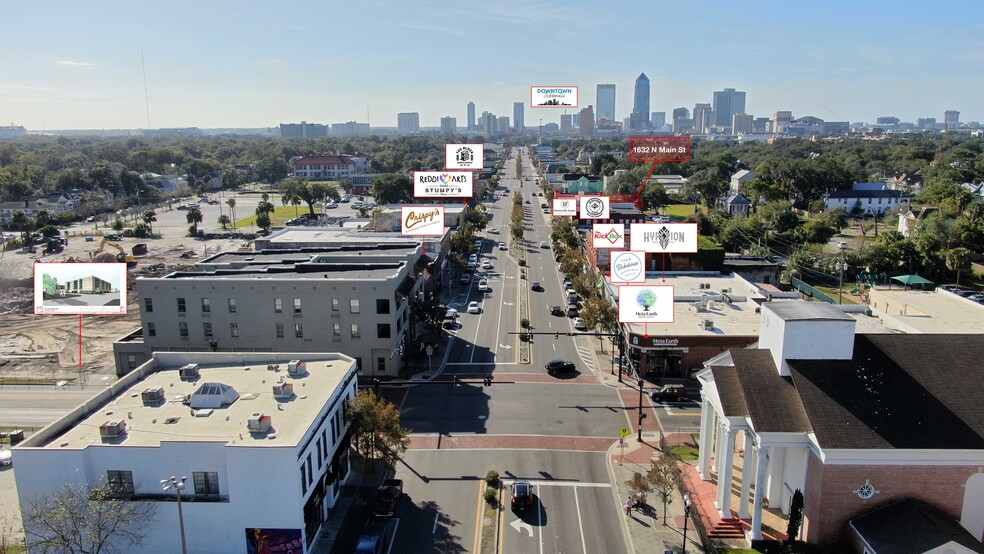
(645, 304)
(464, 156)
(594, 207)
(422, 221)
(553, 97)
(564, 206)
(670, 238)
(628, 266)
(608, 235)
(442, 184)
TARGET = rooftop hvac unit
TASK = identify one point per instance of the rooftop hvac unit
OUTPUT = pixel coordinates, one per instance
(726, 291)
(112, 429)
(295, 367)
(188, 371)
(708, 324)
(758, 309)
(259, 423)
(152, 396)
(283, 390)
(727, 299)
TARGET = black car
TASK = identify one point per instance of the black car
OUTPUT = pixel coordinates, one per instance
(670, 393)
(558, 366)
(522, 495)
(556, 310)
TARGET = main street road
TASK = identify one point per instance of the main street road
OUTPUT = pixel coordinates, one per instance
(37, 406)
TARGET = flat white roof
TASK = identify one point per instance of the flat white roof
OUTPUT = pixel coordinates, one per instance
(927, 311)
(173, 421)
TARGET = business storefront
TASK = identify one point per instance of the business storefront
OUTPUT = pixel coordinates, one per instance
(666, 357)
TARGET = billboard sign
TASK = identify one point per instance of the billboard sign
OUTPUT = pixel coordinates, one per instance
(553, 97)
(664, 238)
(645, 304)
(443, 184)
(422, 221)
(464, 156)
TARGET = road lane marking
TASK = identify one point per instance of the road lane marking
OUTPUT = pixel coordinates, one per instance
(580, 524)
(539, 517)
(478, 520)
(437, 518)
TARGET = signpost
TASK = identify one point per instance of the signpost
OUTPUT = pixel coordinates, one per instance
(622, 434)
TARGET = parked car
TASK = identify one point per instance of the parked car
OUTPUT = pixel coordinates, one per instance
(5, 458)
(483, 285)
(502, 246)
(670, 393)
(976, 297)
(473, 308)
(388, 497)
(486, 264)
(543, 244)
(331, 205)
(493, 230)
(522, 495)
(371, 544)
(464, 279)
(572, 310)
(579, 324)
(558, 366)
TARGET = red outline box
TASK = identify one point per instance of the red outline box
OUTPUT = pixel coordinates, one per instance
(672, 303)
(81, 267)
(611, 274)
(413, 185)
(581, 199)
(632, 246)
(577, 94)
(612, 226)
(553, 207)
(481, 157)
(403, 219)
(653, 143)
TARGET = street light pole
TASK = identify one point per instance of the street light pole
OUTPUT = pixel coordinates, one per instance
(177, 485)
(642, 416)
(686, 518)
(841, 266)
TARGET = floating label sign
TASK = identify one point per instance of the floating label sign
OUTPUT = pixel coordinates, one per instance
(553, 97)
(608, 235)
(443, 184)
(659, 149)
(645, 304)
(628, 266)
(564, 206)
(80, 288)
(464, 156)
(422, 221)
(670, 238)
(594, 207)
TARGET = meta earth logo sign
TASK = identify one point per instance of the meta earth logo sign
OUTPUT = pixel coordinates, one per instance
(594, 207)
(628, 267)
(442, 184)
(667, 238)
(464, 156)
(608, 235)
(645, 304)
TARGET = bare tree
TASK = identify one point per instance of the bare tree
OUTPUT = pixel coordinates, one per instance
(660, 475)
(83, 520)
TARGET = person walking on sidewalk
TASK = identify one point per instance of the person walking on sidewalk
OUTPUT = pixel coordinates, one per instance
(629, 504)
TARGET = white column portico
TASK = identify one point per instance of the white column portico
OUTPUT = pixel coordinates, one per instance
(705, 452)
(761, 458)
(746, 474)
(726, 473)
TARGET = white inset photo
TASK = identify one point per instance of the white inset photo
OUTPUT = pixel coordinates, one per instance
(80, 288)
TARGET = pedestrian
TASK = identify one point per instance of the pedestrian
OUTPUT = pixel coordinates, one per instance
(628, 506)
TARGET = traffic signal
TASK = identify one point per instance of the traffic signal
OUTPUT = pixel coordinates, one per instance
(375, 386)
(488, 380)
(557, 335)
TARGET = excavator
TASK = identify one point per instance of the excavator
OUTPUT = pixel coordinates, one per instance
(122, 257)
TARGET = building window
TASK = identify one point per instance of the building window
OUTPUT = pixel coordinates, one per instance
(382, 306)
(358, 365)
(354, 306)
(303, 481)
(234, 329)
(299, 330)
(206, 482)
(148, 305)
(336, 329)
(297, 305)
(232, 305)
(151, 329)
(318, 449)
(381, 364)
(181, 305)
(334, 304)
(383, 330)
(206, 305)
(278, 306)
(131, 361)
(309, 464)
(280, 330)
(208, 328)
(120, 482)
(183, 329)
(355, 330)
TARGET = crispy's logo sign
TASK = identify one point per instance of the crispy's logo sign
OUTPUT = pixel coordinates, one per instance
(415, 218)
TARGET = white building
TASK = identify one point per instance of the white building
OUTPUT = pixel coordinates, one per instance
(261, 448)
(910, 218)
(870, 202)
(328, 166)
(739, 178)
(408, 122)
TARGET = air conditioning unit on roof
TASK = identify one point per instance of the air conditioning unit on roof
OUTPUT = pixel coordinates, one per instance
(152, 396)
(295, 367)
(283, 390)
(188, 371)
(708, 324)
(259, 423)
(112, 429)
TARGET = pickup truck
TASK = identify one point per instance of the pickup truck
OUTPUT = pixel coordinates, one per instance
(388, 497)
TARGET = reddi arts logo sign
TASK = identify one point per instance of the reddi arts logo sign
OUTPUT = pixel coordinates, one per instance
(442, 184)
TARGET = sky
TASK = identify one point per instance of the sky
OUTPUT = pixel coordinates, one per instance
(217, 63)
(110, 273)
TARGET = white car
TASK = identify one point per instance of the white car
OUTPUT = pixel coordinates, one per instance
(579, 324)
(5, 458)
(483, 285)
(502, 246)
(486, 264)
(494, 230)
(473, 308)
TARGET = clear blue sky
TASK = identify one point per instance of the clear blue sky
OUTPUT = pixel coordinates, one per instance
(210, 63)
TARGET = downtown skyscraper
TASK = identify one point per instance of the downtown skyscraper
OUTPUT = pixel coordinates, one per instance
(727, 103)
(606, 102)
(640, 106)
(519, 119)
(471, 117)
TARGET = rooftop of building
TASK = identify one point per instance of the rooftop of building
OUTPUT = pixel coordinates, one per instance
(910, 525)
(360, 271)
(918, 311)
(348, 253)
(248, 375)
(326, 237)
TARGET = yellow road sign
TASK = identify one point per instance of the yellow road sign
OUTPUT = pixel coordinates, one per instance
(624, 432)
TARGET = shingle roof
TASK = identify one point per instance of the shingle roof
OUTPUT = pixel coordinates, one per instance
(773, 405)
(910, 525)
(729, 391)
(327, 159)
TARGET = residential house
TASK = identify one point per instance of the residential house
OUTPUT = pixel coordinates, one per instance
(734, 203)
(54, 204)
(909, 219)
(868, 202)
(739, 178)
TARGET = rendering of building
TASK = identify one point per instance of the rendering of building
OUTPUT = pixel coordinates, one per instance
(86, 285)
(606, 102)
(408, 122)
(855, 421)
(726, 103)
(303, 130)
(519, 118)
(261, 437)
(328, 166)
(449, 125)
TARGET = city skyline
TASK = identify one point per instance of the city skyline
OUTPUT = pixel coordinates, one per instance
(65, 76)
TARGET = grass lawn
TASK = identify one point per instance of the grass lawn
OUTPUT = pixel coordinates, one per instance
(685, 452)
(679, 210)
(832, 292)
(277, 218)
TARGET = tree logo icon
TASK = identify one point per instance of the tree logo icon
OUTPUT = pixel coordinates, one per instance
(646, 298)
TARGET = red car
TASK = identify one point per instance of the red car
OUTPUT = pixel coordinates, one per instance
(522, 495)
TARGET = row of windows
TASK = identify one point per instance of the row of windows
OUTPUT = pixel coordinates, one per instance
(383, 330)
(382, 305)
(322, 446)
(121, 482)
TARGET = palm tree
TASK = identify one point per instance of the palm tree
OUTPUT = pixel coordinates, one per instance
(223, 220)
(958, 259)
(232, 208)
(194, 216)
(295, 201)
(149, 217)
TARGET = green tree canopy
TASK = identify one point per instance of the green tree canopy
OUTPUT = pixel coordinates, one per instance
(376, 429)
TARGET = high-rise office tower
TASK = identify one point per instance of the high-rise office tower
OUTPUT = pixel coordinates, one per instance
(781, 121)
(519, 119)
(449, 125)
(741, 124)
(502, 125)
(727, 103)
(640, 104)
(488, 123)
(951, 119)
(657, 119)
(566, 123)
(606, 102)
(926, 123)
(471, 116)
(586, 127)
(408, 122)
(887, 120)
(702, 118)
(760, 126)
(681, 120)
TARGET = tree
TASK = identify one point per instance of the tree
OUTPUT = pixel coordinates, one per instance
(308, 191)
(391, 188)
(795, 516)
(223, 221)
(654, 196)
(706, 184)
(84, 520)
(429, 312)
(118, 224)
(141, 230)
(149, 217)
(194, 217)
(49, 231)
(660, 475)
(599, 313)
(639, 485)
(272, 168)
(263, 221)
(959, 260)
(376, 429)
(232, 208)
